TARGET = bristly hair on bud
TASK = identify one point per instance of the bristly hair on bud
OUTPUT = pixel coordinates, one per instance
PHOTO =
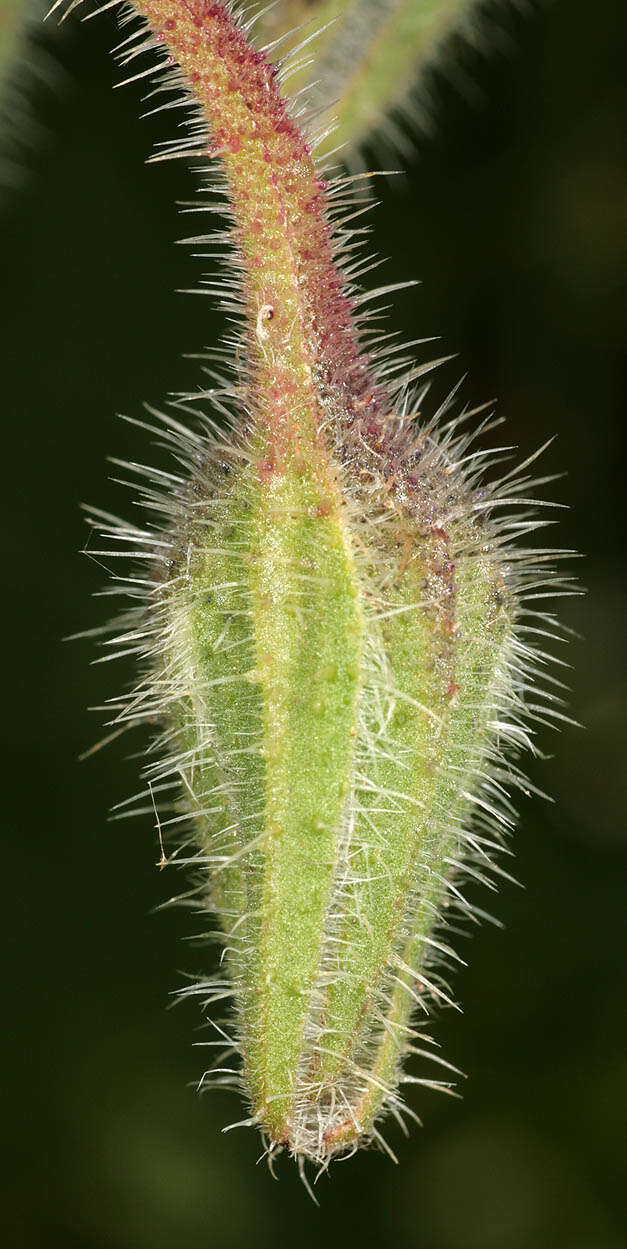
(340, 622)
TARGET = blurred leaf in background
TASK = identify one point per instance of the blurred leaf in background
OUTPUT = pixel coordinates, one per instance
(28, 68)
(513, 217)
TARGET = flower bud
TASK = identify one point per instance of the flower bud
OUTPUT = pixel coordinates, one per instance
(331, 638)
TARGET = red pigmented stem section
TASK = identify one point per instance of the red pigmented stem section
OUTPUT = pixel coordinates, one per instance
(305, 365)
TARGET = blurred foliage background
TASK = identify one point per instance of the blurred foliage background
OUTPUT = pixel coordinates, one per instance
(513, 215)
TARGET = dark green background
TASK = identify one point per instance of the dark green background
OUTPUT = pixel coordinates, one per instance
(513, 216)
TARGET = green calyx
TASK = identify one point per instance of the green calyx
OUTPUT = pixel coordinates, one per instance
(337, 691)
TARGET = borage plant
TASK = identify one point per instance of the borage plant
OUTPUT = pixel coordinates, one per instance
(339, 622)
